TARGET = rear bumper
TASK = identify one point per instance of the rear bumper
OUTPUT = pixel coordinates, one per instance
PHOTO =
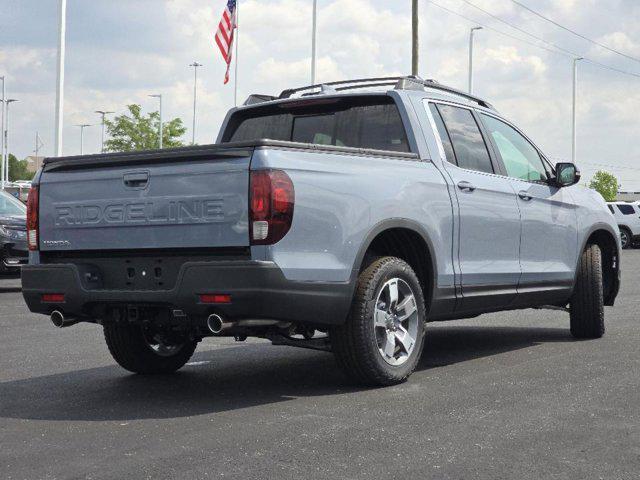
(258, 290)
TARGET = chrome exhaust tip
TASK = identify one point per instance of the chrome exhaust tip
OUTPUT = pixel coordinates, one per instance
(216, 325)
(59, 320)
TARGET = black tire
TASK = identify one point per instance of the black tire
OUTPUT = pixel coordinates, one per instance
(626, 238)
(355, 344)
(587, 302)
(129, 347)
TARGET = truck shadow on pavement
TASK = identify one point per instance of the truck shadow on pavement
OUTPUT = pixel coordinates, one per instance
(237, 377)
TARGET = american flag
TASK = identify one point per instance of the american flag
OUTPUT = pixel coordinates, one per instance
(224, 35)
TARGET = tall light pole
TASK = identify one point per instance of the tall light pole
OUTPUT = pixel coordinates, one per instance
(414, 37)
(314, 32)
(82, 127)
(573, 109)
(471, 35)
(195, 66)
(62, 27)
(102, 114)
(159, 97)
(7, 102)
(2, 138)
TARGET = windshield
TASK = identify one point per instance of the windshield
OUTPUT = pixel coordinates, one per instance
(10, 205)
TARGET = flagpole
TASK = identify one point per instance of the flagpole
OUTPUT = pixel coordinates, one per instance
(237, 37)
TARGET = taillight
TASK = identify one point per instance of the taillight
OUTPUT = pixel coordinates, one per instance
(271, 202)
(32, 218)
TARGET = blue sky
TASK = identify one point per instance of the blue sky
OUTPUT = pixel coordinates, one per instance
(119, 51)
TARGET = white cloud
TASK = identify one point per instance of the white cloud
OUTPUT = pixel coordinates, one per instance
(619, 41)
(127, 55)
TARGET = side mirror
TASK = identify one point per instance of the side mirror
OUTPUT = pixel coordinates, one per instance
(567, 174)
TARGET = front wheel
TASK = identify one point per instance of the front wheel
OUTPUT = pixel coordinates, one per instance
(383, 337)
(143, 349)
(587, 302)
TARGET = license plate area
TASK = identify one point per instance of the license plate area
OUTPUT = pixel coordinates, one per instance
(145, 274)
(130, 274)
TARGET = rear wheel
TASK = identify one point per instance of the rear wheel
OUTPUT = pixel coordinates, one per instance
(143, 349)
(587, 302)
(625, 237)
(383, 337)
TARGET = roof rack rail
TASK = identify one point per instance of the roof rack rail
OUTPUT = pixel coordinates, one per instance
(409, 82)
(379, 81)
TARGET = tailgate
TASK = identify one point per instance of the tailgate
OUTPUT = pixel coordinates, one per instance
(188, 202)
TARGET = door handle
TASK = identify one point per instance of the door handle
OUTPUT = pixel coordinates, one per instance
(466, 186)
(136, 180)
(524, 195)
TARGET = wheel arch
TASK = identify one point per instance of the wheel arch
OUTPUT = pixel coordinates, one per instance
(604, 236)
(407, 240)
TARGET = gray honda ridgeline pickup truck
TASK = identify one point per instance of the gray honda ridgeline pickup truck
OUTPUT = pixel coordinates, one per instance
(340, 217)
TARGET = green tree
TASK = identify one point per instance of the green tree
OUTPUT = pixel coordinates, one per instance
(18, 169)
(134, 131)
(606, 184)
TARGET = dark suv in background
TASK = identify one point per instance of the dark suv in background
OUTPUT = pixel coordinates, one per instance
(13, 233)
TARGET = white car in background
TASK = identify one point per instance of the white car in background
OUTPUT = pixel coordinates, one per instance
(628, 217)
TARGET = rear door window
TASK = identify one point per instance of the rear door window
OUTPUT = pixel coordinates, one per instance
(611, 208)
(361, 122)
(626, 209)
(468, 145)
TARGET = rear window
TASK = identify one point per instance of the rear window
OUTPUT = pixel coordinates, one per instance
(361, 122)
(626, 209)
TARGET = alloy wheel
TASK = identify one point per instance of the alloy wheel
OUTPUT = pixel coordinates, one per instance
(624, 238)
(396, 321)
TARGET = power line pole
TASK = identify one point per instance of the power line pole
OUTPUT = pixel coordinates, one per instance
(62, 27)
(471, 35)
(82, 127)
(414, 37)
(102, 114)
(314, 32)
(573, 109)
(159, 97)
(195, 66)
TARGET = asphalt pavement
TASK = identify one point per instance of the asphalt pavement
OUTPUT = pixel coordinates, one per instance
(502, 396)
